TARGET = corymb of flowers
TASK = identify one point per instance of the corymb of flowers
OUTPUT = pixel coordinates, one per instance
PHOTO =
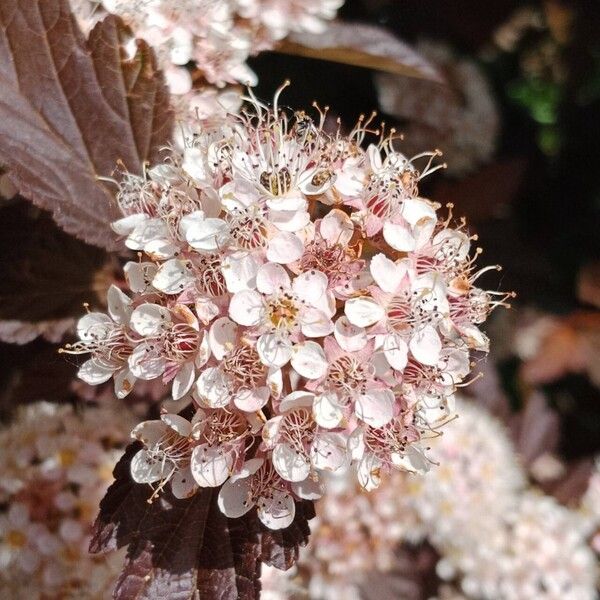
(295, 287)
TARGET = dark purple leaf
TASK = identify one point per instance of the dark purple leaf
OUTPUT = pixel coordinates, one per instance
(70, 110)
(187, 549)
(361, 45)
(45, 274)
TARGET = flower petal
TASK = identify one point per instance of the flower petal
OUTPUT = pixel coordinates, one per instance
(315, 323)
(126, 225)
(272, 278)
(413, 461)
(147, 469)
(222, 337)
(252, 400)
(310, 286)
(145, 363)
(172, 277)
(363, 312)
(277, 512)
(415, 210)
(213, 388)
(124, 381)
(211, 465)
(375, 408)
(93, 373)
(233, 498)
(386, 273)
(309, 489)
(285, 248)
(177, 423)
(246, 308)
(289, 220)
(297, 399)
(336, 227)
(206, 310)
(149, 319)
(146, 231)
(308, 359)
(426, 345)
(327, 411)
(208, 235)
(139, 276)
(369, 472)
(350, 337)
(274, 350)
(328, 451)
(183, 484)
(183, 381)
(396, 351)
(290, 464)
(119, 305)
(94, 326)
(149, 432)
(399, 236)
(240, 272)
(160, 249)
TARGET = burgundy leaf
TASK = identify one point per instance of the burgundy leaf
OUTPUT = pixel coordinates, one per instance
(361, 45)
(535, 429)
(588, 284)
(45, 275)
(280, 548)
(7, 189)
(573, 484)
(32, 372)
(71, 110)
(187, 549)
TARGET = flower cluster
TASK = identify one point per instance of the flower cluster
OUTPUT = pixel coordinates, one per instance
(539, 551)
(298, 289)
(501, 539)
(217, 35)
(56, 465)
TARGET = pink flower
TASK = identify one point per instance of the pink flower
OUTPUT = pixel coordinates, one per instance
(281, 310)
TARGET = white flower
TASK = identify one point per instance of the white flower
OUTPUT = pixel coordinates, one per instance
(280, 307)
(257, 484)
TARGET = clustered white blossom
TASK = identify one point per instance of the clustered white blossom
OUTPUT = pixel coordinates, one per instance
(217, 35)
(298, 290)
(56, 465)
(503, 540)
(498, 538)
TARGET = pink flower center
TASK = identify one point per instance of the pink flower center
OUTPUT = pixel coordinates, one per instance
(297, 429)
(392, 438)
(181, 343)
(282, 312)
(248, 228)
(244, 366)
(349, 376)
(208, 274)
